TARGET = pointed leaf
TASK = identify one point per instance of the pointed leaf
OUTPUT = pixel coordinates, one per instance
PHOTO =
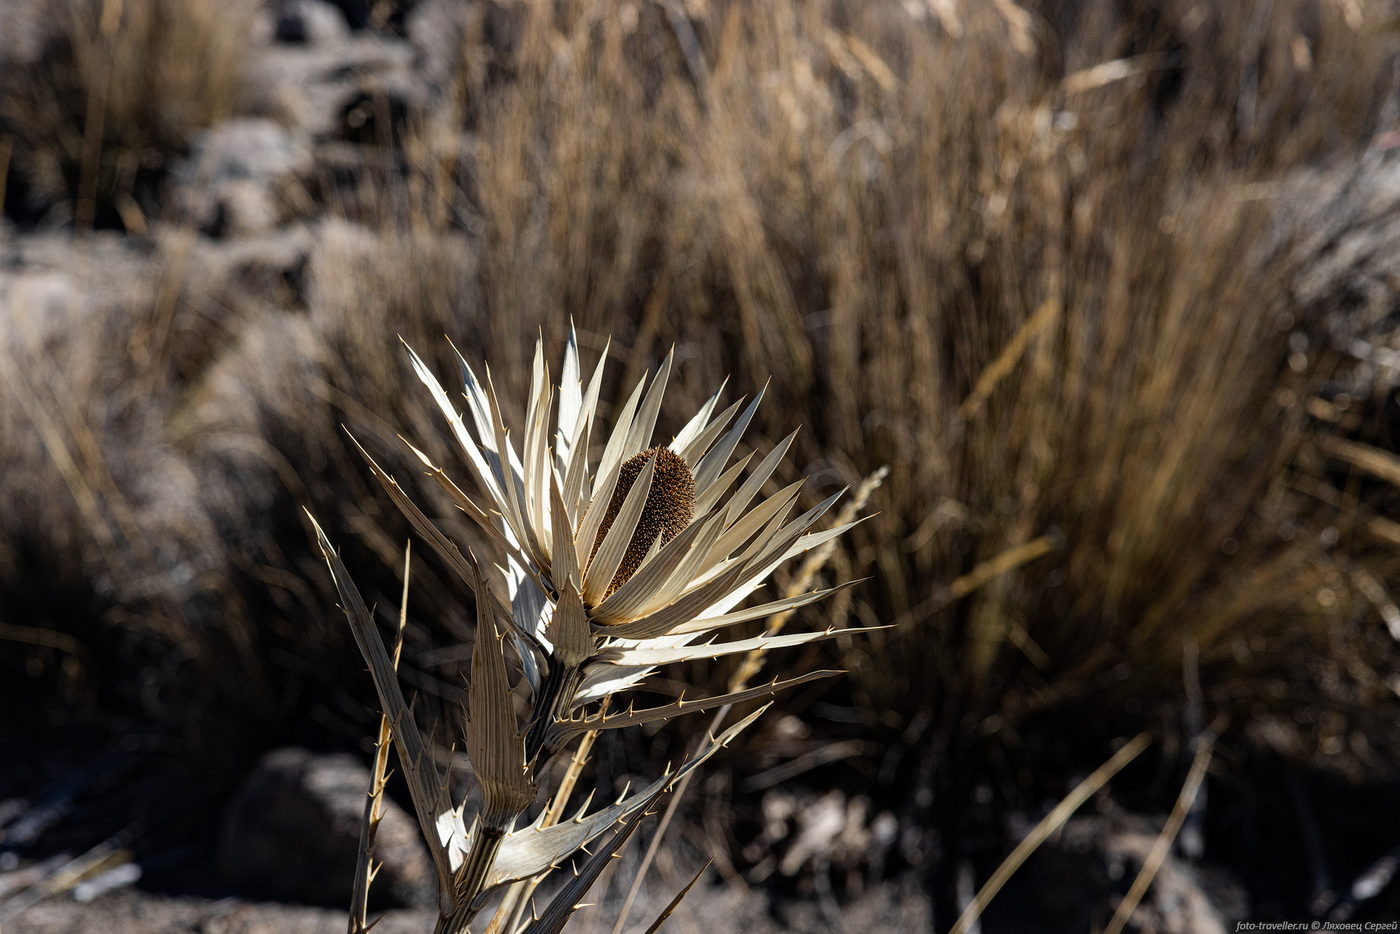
(603, 680)
(576, 477)
(532, 850)
(699, 446)
(686, 608)
(674, 903)
(711, 623)
(564, 565)
(513, 503)
(570, 398)
(705, 501)
(475, 455)
(588, 410)
(766, 547)
(567, 729)
(651, 657)
(593, 516)
(527, 604)
(536, 452)
(426, 787)
(645, 423)
(646, 584)
(424, 526)
(568, 630)
(568, 899)
(444, 546)
(494, 744)
(615, 451)
(477, 403)
(712, 464)
(492, 524)
(765, 512)
(697, 424)
(760, 476)
(769, 551)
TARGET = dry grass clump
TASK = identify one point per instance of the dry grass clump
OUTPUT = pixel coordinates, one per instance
(151, 552)
(265, 425)
(1034, 258)
(111, 569)
(1059, 265)
(111, 91)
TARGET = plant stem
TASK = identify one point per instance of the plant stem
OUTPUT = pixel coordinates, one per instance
(556, 694)
(471, 879)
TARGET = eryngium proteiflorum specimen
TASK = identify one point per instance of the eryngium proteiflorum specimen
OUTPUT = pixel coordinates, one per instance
(669, 508)
(612, 567)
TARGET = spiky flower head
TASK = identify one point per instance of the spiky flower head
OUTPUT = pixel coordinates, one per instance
(669, 508)
(621, 561)
(614, 564)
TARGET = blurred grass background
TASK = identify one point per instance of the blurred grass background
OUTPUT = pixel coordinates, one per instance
(1107, 285)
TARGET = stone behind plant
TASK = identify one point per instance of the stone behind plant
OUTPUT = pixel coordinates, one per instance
(292, 833)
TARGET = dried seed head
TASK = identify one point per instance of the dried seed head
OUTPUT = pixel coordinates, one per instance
(668, 510)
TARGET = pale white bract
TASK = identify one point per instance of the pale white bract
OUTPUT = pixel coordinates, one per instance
(546, 506)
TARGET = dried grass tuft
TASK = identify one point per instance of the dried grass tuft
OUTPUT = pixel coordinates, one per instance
(112, 91)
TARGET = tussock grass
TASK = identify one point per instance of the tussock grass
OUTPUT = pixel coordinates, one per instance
(1043, 262)
(1034, 259)
(1056, 264)
(114, 90)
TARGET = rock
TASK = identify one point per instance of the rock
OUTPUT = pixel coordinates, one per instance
(137, 912)
(893, 906)
(446, 33)
(832, 835)
(354, 268)
(1343, 233)
(309, 22)
(265, 270)
(308, 87)
(356, 12)
(292, 832)
(239, 177)
(24, 27)
(439, 30)
(37, 298)
(1076, 880)
(1339, 231)
(48, 274)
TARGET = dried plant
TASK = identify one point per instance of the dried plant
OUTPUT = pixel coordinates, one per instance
(611, 569)
(1037, 277)
(115, 93)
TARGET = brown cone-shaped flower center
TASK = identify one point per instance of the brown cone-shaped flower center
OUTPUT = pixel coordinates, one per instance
(668, 510)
